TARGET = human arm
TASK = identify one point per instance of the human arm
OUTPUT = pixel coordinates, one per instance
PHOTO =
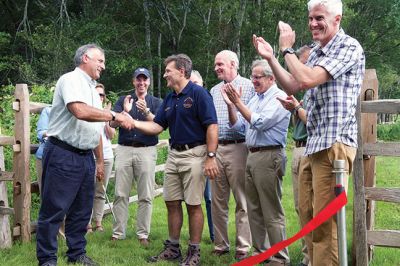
(234, 97)
(210, 166)
(88, 113)
(291, 104)
(43, 124)
(110, 131)
(146, 127)
(98, 153)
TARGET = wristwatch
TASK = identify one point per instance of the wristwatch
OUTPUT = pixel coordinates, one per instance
(211, 154)
(287, 51)
(113, 115)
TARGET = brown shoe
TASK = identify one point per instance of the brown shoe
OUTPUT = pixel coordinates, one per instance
(113, 238)
(219, 253)
(144, 242)
(240, 255)
(193, 256)
(171, 252)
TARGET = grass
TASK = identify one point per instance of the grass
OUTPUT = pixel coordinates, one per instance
(128, 252)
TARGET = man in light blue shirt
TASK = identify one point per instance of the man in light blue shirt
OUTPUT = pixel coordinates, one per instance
(265, 123)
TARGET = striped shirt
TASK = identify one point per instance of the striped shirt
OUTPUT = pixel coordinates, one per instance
(224, 132)
(331, 112)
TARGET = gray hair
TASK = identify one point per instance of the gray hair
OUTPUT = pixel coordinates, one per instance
(334, 7)
(181, 61)
(231, 56)
(83, 50)
(302, 50)
(197, 74)
(265, 66)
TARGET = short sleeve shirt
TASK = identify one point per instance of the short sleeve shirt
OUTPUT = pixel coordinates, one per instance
(187, 114)
(331, 112)
(75, 86)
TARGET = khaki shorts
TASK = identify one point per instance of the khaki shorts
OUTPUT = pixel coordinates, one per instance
(184, 175)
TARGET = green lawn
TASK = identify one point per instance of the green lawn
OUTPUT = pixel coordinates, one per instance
(128, 252)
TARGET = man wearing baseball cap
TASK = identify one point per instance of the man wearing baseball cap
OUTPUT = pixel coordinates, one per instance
(135, 159)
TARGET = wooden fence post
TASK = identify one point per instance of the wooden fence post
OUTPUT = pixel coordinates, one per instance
(22, 181)
(5, 232)
(369, 135)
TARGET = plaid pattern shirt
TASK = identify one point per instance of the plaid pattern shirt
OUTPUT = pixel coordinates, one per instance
(331, 111)
(224, 132)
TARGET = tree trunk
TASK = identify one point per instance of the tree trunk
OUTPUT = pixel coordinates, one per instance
(148, 42)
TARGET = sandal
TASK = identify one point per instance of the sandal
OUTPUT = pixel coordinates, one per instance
(89, 229)
(99, 228)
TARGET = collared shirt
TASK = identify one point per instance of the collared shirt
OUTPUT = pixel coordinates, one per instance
(127, 137)
(187, 114)
(107, 146)
(75, 86)
(41, 128)
(331, 114)
(224, 132)
(269, 119)
(300, 129)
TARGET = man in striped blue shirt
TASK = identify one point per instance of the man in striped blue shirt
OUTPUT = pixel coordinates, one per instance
(334, 72)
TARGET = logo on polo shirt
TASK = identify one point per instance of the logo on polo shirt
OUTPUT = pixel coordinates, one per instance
(188, 102)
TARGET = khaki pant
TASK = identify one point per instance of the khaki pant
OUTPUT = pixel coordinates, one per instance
(231, 160)
(184, 176)
(298, 154)
(324, 248)
(100, 192)
(134, 164)
(264, 172)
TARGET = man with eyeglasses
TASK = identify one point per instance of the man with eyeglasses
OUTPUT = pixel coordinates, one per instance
(135, 159)
(68, 162)
(265, 123)
(231, 159)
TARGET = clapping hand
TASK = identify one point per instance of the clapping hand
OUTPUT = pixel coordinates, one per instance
(128, 101)
(264, 49)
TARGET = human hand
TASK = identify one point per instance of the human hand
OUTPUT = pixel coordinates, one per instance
(141, 105)
(125, 120)
(232, 93)
(128, 101)
(287, 36)
(100, 170)
(289, 103)
(264, 49)
(211, 168)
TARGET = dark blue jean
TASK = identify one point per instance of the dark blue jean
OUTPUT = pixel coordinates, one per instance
(67, 191)
(207, 199)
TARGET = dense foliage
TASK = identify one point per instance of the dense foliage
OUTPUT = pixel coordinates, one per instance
(38, 38)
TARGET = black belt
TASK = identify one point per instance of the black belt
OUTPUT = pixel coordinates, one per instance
(300, 143)
(230, 141)
(185, 147)
(264, 148)
(67, 147)
(136, 144)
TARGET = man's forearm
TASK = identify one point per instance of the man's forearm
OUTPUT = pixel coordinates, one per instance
(285, 79)
(212, 137)
(148, 127)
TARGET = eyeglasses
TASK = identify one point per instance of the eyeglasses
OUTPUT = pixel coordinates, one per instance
(102, 95)
(257, 77)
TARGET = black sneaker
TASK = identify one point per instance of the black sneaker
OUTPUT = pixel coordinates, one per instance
(193, 256)
(84, 260)
(171, 252)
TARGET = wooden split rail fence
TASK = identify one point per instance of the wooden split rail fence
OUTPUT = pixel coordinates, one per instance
(20, 176)
(365, 192)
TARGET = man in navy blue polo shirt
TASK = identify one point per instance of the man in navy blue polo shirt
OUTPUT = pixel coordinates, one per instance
(135, 157)
(189, 113)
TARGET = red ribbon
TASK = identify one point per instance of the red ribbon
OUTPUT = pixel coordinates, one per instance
(331, 209)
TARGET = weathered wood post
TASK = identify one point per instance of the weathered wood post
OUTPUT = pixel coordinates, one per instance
(5, 232)
(369, 135)
(22, 181)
